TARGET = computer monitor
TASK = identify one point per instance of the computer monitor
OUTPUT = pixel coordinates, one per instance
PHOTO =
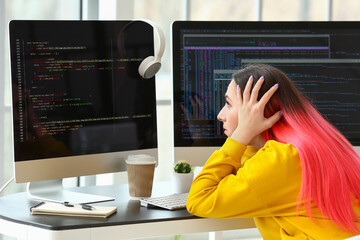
(79, 106)
(322, 58)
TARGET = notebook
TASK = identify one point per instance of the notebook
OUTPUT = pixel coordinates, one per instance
(50, 208)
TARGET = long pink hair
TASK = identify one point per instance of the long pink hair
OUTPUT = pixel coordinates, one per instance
(330, 165)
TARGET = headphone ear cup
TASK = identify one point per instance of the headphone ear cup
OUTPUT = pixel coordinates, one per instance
(149, 67)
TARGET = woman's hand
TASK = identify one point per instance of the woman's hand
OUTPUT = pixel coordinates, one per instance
(251, 120)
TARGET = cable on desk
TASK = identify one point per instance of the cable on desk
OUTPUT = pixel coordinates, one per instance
(7, 183)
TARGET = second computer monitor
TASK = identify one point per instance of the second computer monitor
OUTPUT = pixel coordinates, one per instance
(322, 58)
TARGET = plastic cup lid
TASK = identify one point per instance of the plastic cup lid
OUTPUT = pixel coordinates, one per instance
(140, 159)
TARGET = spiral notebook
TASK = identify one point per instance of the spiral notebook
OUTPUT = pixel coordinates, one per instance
(50, 208)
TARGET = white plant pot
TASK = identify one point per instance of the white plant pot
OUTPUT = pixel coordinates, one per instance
(182, 182)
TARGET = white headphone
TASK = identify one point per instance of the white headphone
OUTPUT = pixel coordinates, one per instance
(151, 65)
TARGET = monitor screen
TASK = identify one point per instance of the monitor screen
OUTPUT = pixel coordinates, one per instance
(322, 59)
(79, 105)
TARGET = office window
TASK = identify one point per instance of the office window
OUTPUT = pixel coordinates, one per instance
(294, 10)
(220, 10)
(346, 10)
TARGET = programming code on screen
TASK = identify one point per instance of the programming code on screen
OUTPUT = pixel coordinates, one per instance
(323, 63)
(76, 89)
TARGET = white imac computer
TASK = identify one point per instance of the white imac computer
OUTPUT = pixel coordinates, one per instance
(322, 58)
(80, 106)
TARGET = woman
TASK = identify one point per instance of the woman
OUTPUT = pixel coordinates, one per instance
(282, 164)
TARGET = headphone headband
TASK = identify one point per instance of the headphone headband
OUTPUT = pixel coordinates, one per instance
(161, 37)
(151, 65)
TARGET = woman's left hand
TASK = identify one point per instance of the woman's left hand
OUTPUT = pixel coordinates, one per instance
(251, 120)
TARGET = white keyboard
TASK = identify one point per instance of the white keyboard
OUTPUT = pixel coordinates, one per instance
(170, 202)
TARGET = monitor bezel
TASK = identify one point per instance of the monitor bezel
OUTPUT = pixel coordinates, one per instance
(75, 166)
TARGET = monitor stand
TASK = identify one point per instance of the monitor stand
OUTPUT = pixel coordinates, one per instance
(53, 191)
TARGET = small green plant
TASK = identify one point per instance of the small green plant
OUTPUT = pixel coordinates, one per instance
(177, 237)
(182, 167)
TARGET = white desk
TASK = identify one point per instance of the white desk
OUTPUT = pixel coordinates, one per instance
(131, 220)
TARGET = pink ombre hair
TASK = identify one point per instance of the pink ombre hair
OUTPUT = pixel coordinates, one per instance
(330, 165)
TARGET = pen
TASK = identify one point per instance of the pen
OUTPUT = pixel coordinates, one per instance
(87, 207)
(37, 205)
(83, 206)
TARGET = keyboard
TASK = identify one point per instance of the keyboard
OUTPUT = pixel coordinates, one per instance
(170, 202)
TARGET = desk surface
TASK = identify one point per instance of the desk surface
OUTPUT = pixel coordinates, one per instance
(16, 208)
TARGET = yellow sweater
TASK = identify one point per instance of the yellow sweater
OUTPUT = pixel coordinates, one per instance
(242, 181)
